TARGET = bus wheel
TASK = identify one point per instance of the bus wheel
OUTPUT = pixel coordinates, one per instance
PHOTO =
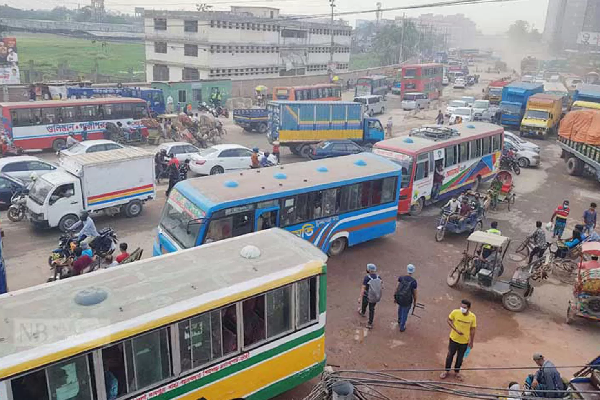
(416, 208)
(338, 246)
(59, 144)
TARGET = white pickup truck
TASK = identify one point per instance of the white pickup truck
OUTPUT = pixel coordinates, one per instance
(114, 181)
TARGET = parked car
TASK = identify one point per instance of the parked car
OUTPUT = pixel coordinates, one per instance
(453, 105)
(525, 157)
(469, 100)
(445, 80)
(90, 146)
(224, 157)
(22, 167)
(334, 148)
(180, 150)
(372, 104)
(466, 113)
(521, 142)
(481, 110)
(8, 186)
(414, 101)
(459, 83)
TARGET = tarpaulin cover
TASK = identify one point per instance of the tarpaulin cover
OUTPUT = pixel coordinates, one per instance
(581, 126)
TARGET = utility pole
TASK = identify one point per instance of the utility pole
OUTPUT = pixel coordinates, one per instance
(331, 64)
(402, 39)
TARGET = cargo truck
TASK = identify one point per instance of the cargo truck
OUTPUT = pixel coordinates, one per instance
(252, 119)
(586, 92)
(579, 139)
(299, 124)
(120, 180)
(514, 101)
(494, 90)
(542, 115)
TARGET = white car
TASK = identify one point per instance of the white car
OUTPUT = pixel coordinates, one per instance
(453, 105)
(481, 110)
(22, 167)
(459, 83)
(180, 150)
(469, 100)
(224, 157)
(90, 146)
(465, 113)
(520, 142)
(525, 157)
(445, 80)
(414, 101)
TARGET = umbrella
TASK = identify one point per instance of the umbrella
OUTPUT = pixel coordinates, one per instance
(335, 78)
(261, 88)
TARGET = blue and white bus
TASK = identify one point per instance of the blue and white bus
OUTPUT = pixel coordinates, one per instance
(333, 203)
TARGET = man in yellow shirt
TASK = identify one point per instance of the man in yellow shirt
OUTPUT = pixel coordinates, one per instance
(462, 323)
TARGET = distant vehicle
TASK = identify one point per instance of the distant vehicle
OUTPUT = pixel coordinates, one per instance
(465, 113)
(371, 85)
(414, 101)
(252, 119)
(469, 100)
(180, 150)
(335, 148)
(222, 158)
(22, 167)
(525, 157)
(372, 104)
(514, 101)
(445, 81)
(521, 142)
(542, 115)
(481, 110)
(8, 186)
(318, 92)
(154, 97)
(453, 105)
(421, 78)
(90, 146)
(459, 83)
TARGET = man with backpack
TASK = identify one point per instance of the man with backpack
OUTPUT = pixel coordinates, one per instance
(405, 295)
(370, 293)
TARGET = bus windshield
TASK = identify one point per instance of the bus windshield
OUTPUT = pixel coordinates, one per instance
(182, 219)
(537, 114)
(282, 94)
(404, 160)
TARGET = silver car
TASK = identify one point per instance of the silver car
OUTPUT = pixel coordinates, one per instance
(525, 157)
(23, 167)
(414, 101)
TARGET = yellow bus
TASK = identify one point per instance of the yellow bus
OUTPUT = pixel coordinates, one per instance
(243, 318)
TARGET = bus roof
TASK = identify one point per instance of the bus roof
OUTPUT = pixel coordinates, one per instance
(426, 65)
(147, 294)
(266, 182)
(67, 103)
(414, 145)
(316, 85)
(555, 87)
(373, 77)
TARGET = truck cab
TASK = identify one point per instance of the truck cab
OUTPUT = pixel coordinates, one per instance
(55, 200)
(373, 130)
(542, 115)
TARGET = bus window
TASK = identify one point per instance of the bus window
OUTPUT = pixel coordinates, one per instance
(127, 110)
(330, 202)
(316, 202)
(287, 211)
(475, 148)
(450, 155)
(115, 375)
(365, 194)
(231, 226)
(88, 113)
(48, 115)
(354, 195)
(487, 143)
(300, 95)
(306, 301)
(422, 171)
(70, 380)
(253, 311)
(497, 142)
(314, 93)
(302, 208)
(140, 111)
(31, 386)
(151, 358)
(388, 190)
(464, 151)
(376, 191)
(279, 311)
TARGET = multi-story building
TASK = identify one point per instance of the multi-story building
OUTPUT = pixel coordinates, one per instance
(459, 30)
(248, 42)
(572, 24)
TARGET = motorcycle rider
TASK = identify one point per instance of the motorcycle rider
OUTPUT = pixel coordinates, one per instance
(88, 228)
(264, 161)
(173, 171)
(160, 163)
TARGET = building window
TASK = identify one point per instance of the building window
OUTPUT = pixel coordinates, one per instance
(160, 24)
(160, 47)
(190, 74)
(190, 26)
(182, 96)
(190, 50)
(160, 72)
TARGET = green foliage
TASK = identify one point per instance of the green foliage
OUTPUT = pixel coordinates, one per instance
(521, 32)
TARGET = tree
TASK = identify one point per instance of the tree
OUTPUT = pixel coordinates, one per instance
(520, 32)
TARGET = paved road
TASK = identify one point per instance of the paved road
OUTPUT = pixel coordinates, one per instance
(503, 338)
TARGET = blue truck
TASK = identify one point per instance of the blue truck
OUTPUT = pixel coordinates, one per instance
(587, 92)
(154, 97)
(514, 101)
(252, 119)
(299, 124)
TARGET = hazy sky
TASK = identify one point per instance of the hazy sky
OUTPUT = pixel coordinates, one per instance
(490, 18)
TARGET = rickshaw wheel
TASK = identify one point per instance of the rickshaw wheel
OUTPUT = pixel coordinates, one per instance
(569, 318)
(523, 248)
(439, 234)
(454, 275)
(513, 301)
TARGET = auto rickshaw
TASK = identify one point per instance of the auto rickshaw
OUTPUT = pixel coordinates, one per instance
(586, 290)
(482, 266)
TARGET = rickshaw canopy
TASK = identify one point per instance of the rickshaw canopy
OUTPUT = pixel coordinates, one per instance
(488, 238)
(592, 248)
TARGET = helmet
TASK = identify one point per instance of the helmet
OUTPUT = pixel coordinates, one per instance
(84, 215)
(255, 149)
(163, 151)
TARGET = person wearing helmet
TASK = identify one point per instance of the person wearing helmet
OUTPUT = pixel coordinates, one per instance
(264, 160)
(254, 158)
(88, 228)
(32, 179)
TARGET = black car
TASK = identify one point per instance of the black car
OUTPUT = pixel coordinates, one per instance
(335, 148)
(8, 186)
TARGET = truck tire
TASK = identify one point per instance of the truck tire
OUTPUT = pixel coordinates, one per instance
(294, 150)
(305, 151)
(574, 166)
(262, 127)
(59, 144)
(67, 221)
(132, 209)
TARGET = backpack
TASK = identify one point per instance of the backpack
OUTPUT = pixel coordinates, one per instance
(375, 288)
(404, 294)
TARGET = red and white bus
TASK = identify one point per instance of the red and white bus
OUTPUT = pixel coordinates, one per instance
(422, 78)
(46, 124)
(464, 155)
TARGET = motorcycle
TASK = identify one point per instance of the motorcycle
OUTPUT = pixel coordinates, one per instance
(18, 206)
(510, 164)
(221, 112)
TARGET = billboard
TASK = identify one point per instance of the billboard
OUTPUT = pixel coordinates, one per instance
(589, 38)
(9, 62)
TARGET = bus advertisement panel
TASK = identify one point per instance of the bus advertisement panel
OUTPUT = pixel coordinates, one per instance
(438, 162)
(46, 124)
(347, 200)
(422, 78)
(320, 92)
(371, 85)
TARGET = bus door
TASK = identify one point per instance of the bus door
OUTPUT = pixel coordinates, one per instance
(423, 182)
(266, 215)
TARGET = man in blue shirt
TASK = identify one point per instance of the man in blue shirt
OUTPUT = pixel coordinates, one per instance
(363, 299)
(547, 382)
(589, 219)
(405, 296)
(88, 229)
